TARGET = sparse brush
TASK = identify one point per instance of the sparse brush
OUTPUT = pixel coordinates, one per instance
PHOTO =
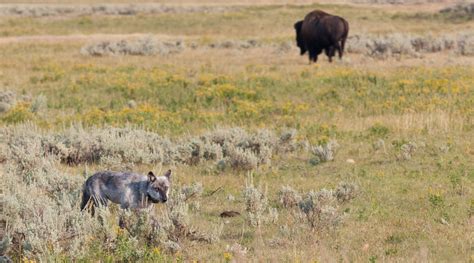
(465, 45)
(39, 104)
(241, 159)
(177, 217)
(460, 11)
(141, 47)
(262, 144)
(379, 145)
(284, 47)
(42, 204)
(326, 152)
(391, 45)
(130, 146)
(346, 191)
(138, 223)
(226, 136)
(431, 44)
(198, 150)
(5, 244)
(398, 45)
(407, 150)
(287, 141)
(272, 216)
(7, 100)
(320, 209)
(29, 161)
(357, 44)
(4, 107)
(238, 251)
(289, 197)
(256, 204)
(288, 136)
(244, 151)
(45, 213)
(239, 44)
(175, 223)
(172, 246)
(120, 148)
(193, 190)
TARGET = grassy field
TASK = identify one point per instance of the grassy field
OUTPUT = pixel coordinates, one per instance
(399, 188)
(267, 22)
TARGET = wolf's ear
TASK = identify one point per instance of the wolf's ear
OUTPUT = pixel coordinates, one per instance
(151, 176)
(168, 174)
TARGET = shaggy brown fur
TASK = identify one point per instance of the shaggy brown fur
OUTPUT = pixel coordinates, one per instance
(321, 31)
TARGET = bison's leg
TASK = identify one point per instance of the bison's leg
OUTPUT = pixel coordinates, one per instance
(341, 49)
(316, 54)
(329, 52)
(313, 56)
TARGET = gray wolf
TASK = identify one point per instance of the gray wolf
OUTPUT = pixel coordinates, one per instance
(129, 190)
(321, 31)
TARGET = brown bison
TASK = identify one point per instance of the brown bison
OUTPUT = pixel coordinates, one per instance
(321, 31)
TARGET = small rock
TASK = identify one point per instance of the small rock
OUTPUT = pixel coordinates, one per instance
(230, 198)
(365, 247)
(444, 222)
(131, 104)
(350, 161)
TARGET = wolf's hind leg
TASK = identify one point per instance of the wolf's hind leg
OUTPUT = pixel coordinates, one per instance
(85, 199)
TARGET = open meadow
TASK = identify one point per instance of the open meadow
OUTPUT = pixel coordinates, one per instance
(366, 159)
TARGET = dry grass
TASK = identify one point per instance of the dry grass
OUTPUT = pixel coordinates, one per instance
(253, 21)
(42, 10)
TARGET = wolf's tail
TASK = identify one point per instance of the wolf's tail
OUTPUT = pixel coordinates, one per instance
(86, 196)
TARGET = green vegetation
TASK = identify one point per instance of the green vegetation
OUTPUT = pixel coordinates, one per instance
(274, 21)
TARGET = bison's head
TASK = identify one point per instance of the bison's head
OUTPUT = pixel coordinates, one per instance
(299, 37)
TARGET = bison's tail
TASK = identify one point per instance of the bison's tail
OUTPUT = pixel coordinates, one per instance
(346, 28)
(346, 33)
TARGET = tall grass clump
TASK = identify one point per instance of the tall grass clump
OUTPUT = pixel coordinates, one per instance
(142, 47)
(41, 203)
(176, 222)
(126, 147)
(256, 204)
(289, 197)
(325, 152)
(320, 209)
(402, 45)
(346, 191)
(7, 100)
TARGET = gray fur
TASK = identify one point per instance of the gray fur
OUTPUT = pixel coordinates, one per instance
(130, 190)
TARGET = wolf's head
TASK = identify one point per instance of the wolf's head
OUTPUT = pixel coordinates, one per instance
(158, 187)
